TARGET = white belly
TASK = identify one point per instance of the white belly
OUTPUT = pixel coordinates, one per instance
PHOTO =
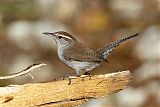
(87, 66)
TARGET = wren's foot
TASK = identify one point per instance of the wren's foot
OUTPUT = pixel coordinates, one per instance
(69, 79)
(89, 74)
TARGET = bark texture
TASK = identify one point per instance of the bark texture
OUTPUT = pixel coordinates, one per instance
(58, 93)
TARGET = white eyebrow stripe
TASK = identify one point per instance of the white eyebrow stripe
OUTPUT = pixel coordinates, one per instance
(66, 36)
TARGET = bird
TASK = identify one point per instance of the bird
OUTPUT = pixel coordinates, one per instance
(78, 56)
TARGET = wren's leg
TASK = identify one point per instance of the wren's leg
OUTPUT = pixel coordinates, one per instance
(78, 74)
(88, 73)
(69, 79)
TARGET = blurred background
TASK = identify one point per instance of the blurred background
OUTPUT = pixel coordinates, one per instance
(95, 23)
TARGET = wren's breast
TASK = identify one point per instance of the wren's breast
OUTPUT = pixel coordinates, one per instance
(60, 55)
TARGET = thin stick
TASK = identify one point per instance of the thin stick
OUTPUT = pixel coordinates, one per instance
(23, 72)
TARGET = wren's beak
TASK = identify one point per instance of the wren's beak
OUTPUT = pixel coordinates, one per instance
(47, 33)
(50, 34)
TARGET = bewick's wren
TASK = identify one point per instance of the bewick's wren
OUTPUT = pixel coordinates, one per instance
(79, 57)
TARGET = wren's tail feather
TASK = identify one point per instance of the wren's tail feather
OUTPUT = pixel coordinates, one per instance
(109, 48)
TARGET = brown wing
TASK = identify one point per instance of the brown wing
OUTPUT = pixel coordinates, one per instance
(78, 52)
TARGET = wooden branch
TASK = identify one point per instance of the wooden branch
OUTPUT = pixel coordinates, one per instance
(59, 93)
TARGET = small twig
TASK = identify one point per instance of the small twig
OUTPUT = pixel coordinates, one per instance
(23, 72)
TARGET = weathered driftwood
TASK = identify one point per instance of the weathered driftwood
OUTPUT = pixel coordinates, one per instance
(59, 93)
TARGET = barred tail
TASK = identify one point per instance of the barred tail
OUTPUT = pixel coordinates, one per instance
(109, 48)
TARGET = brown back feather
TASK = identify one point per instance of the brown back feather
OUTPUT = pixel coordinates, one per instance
(78, 52)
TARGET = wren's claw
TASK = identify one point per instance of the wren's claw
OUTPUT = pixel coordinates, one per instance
(69, 79)
(89, 74)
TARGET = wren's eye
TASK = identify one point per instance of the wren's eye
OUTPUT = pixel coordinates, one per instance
(59, 37)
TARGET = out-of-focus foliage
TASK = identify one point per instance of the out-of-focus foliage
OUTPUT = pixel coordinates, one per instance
(17, 10)
(96, 23)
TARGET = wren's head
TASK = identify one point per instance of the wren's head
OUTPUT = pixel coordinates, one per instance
(62, 38)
